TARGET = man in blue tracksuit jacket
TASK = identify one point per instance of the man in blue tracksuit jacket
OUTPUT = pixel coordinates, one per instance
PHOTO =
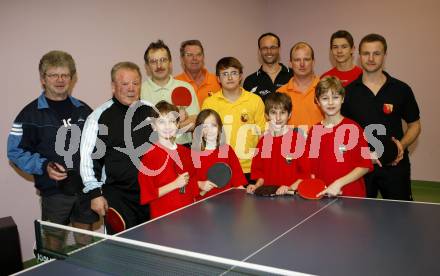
(35, 148)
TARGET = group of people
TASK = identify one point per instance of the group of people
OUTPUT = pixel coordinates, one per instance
(145, 157)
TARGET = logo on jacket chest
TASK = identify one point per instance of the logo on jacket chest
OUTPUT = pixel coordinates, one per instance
(67, 122)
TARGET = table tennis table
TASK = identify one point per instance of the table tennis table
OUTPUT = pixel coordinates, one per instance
(331, 236)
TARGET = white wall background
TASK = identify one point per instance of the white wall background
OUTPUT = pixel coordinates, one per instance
(100, 33)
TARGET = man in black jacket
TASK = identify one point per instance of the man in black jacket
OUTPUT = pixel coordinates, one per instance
(111, 147)
(33, 145)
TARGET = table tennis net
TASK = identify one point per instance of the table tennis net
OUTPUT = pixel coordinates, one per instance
(120, 256)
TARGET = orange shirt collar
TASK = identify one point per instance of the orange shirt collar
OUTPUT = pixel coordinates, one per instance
(291, 85)
(189, 79)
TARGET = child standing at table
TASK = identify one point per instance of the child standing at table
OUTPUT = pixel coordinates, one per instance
(209, 147)
(166, 176)
(337, 150)
(279, 150)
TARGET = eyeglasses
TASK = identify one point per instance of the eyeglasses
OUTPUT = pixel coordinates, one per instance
(191, 55)
(157, 61)
(232, 74)
(57, 76)
(271, 48)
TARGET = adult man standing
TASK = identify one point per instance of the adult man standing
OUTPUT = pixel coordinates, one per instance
(161, 84)
(34, 148)
(377, 98)
(342, 49)
(301, 87)
(194, 72)
(272, 74)
(110, 174)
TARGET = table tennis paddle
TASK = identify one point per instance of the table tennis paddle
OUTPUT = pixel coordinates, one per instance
(114, 220)
(269, 190)
(310, 188)
(390, 150)
(220, 174)
(72, 184)
(181, 97)
(179, 171)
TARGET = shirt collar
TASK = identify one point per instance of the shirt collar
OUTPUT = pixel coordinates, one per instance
(190, 79)
(242, 97)
(389, 79)
(156, 88)
(291, 85)
(284, 69)
(42, 102)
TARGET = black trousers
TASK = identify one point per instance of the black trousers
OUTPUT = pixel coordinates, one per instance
(393, 182)
(127, 204)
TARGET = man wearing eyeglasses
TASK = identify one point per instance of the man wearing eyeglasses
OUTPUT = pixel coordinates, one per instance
(160, 85)
(192, 57)
(272, 74)
(33, 141)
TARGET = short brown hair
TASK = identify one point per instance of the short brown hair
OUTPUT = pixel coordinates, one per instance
(226, 62)
(301, 45)
(374, 38)
(192, 42)
(329, 83)
(56, 59)
(124, 65)
(164, 107)
(277, 100)
(342, 34)
(154, 46)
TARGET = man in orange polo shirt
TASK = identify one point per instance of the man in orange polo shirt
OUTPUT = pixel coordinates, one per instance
(301, 87)
(194, 72)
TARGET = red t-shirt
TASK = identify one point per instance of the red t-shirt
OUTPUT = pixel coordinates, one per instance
(203, 160)
(277, 159)
(163, 169)
(346, 77)
(337, 155)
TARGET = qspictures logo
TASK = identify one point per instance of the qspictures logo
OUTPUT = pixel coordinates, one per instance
(342, 144)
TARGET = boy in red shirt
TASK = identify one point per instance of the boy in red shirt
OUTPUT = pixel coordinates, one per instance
(209, 147)
(278, 151)
(342, 50)
(166, 177)
(337, 150)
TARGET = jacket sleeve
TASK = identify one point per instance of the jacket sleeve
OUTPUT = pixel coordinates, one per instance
(92, 150)
(21, 149)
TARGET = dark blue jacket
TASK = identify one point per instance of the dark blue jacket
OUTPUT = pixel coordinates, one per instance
(31, 141)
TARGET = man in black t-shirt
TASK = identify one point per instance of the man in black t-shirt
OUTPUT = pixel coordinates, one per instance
(377, 99)
(272, 74)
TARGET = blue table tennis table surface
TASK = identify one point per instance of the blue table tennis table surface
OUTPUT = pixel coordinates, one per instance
(331, 236)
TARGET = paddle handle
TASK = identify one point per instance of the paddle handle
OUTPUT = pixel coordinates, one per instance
(182, 190)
